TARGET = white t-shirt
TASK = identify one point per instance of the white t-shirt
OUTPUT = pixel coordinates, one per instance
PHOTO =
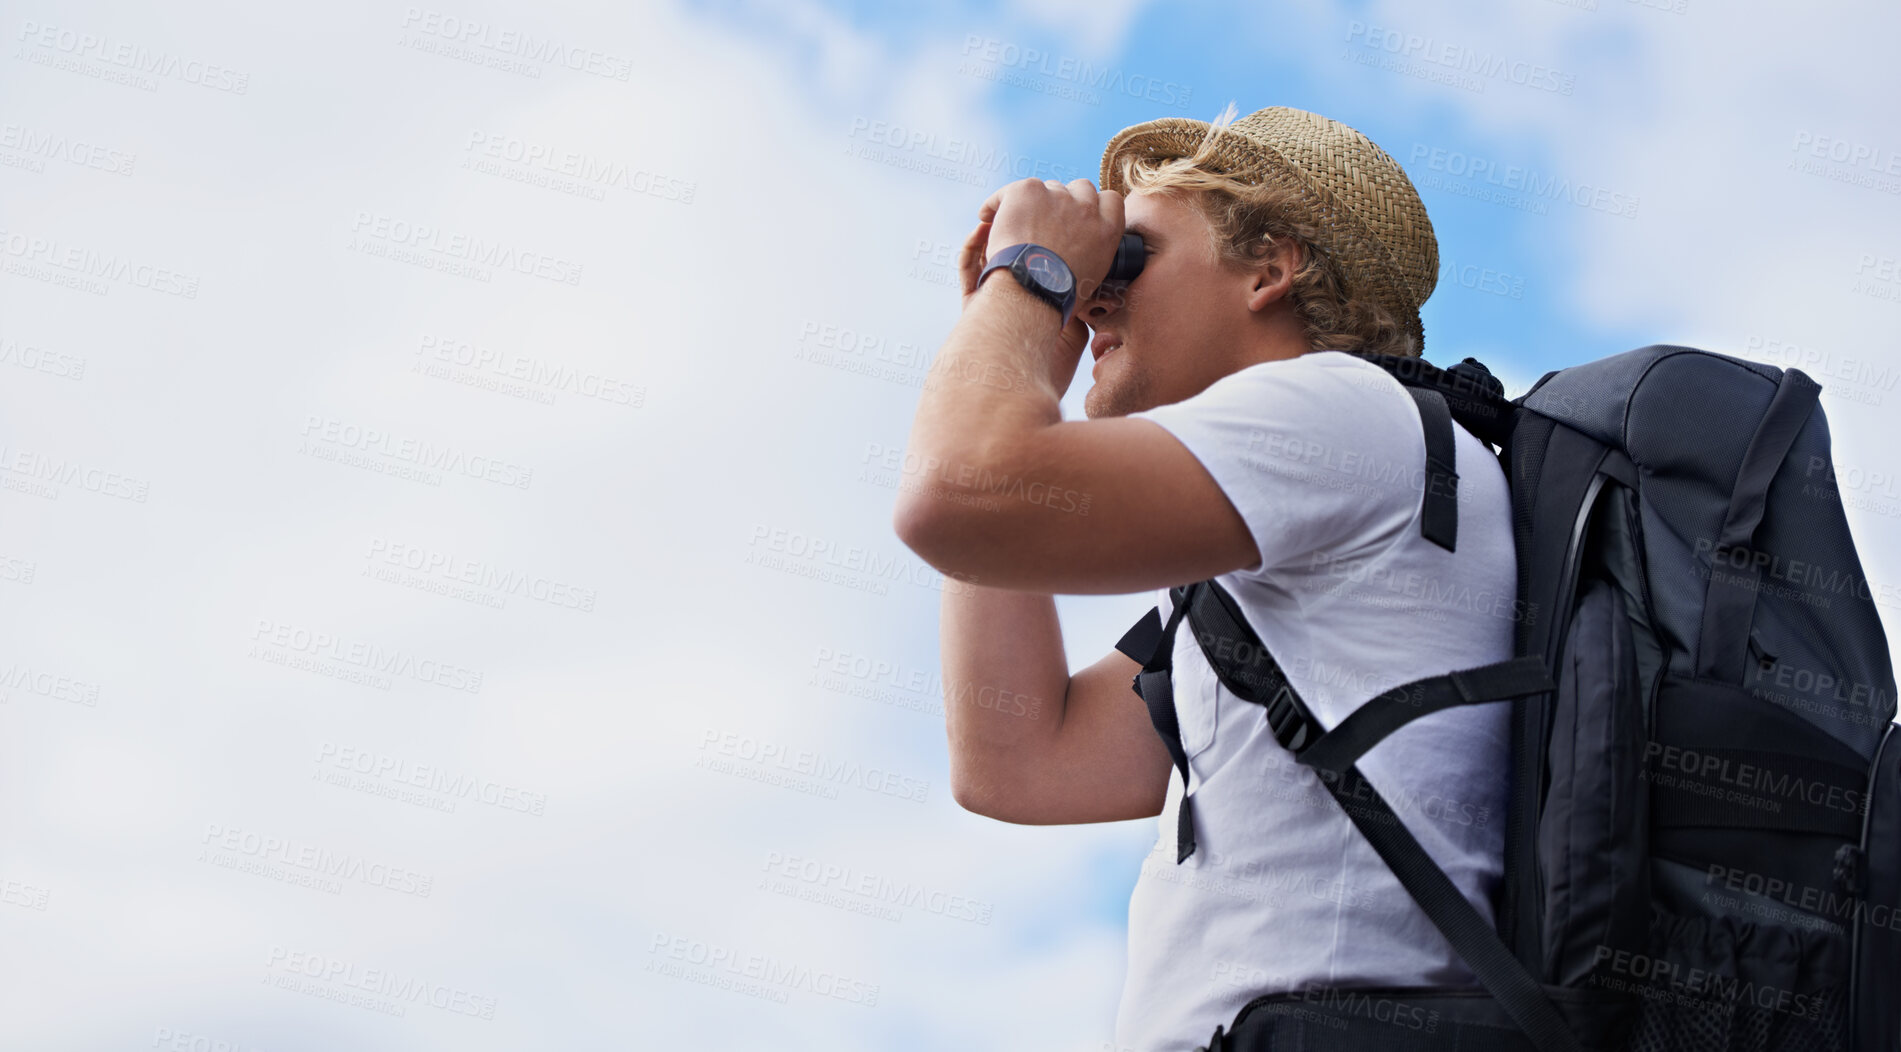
(1324, 457)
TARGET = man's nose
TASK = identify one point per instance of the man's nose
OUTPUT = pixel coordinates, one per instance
(1107, 300)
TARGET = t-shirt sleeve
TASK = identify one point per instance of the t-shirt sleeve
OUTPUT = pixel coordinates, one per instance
(1322, 460)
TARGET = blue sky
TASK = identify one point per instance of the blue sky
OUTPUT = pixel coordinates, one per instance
(1284, 57)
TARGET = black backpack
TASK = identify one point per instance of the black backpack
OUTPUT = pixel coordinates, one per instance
(1703, 849)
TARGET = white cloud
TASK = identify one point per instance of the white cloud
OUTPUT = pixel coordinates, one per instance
(216, 402)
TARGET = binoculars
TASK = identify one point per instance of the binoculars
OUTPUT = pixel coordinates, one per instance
(1128, 262)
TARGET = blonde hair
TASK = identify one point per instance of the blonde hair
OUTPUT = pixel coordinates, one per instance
(1249, 218)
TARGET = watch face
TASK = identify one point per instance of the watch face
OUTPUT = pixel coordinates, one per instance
(1048, 271)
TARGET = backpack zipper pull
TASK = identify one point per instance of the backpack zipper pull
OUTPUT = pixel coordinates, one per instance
(1764, 660)
(1848, 871)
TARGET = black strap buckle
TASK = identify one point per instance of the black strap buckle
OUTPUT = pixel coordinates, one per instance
(1217, 1043)
(1291, 726)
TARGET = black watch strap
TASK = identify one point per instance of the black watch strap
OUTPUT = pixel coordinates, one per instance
(1015, 259)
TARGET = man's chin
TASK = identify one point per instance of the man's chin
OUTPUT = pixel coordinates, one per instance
(1110, 399)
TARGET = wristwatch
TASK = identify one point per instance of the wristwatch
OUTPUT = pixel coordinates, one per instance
(1041, 271)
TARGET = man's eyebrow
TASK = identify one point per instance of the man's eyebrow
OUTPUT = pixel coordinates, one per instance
(1147, 233)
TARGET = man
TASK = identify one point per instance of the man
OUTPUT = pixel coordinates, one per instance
(1227, 437)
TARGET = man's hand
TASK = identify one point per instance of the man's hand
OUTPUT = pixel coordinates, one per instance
(1077, 222)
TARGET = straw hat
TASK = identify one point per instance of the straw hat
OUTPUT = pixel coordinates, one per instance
(1375, 227)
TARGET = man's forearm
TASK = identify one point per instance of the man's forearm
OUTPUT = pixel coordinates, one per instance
(1005, 676)
(989, 384)
(1004, 669)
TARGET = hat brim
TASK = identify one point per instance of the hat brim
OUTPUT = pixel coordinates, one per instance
(1166, 138)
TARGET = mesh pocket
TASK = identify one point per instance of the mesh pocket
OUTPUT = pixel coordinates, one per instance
(1717, 984)
(1728, 1026)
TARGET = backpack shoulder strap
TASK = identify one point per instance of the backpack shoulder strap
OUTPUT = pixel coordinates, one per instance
(1730, 599)
(1246, 668)
(1468, 393)
(1475, 397)
(1439, 504)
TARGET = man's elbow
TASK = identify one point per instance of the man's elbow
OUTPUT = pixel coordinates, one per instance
(999, 787)
(982, 795)
(970, 797)
(932, 531)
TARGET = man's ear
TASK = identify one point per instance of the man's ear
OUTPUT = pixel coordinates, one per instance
(1272, 278)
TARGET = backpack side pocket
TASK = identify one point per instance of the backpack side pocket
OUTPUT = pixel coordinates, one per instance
(1592, 837)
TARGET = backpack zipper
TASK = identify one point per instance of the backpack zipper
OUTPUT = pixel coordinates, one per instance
(1533, 788)
(1854, 939)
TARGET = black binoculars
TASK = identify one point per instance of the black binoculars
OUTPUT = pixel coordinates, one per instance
(1128, 262)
